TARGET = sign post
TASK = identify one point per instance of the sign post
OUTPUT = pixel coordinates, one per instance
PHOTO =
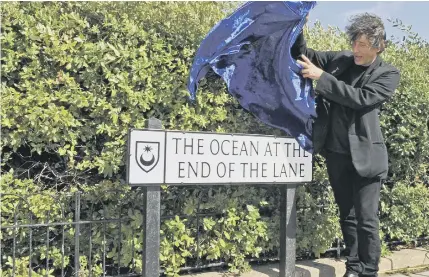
(151, 220)
(287, 231)
(159, 157)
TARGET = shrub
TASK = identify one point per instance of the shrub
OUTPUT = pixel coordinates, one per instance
(77, 75)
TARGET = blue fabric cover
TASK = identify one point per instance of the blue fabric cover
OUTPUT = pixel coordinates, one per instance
(250, 50)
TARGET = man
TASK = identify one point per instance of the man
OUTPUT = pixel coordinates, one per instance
(351, 87)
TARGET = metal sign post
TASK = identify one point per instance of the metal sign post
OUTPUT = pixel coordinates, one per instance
(157, 157)
(151, 221)
(287, 231)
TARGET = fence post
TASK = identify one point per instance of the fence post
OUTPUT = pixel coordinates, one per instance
(77, 234)
(152, 220)
(287, 230)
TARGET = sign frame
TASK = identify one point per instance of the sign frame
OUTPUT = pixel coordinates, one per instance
(271, 182)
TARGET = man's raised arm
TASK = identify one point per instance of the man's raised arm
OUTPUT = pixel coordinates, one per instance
(319, 58)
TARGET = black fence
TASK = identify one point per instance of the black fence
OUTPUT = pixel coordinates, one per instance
(82, 234)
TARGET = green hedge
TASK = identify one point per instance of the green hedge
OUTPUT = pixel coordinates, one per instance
(77, 75)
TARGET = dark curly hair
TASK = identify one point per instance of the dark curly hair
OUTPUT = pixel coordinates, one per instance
(369, 25)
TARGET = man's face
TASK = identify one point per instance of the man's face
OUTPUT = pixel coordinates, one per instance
(364, 53)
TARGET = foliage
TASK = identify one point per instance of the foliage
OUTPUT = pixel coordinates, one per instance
(77, 75)
(404, 206)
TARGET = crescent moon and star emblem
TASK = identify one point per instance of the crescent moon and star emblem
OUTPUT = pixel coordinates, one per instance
(149, 162)
(147, 155)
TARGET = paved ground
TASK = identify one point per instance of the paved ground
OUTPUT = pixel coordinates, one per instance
(328, 267)
(421, 274)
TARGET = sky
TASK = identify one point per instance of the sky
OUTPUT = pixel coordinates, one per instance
(336, 13)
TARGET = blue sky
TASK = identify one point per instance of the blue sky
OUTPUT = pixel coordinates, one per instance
(336, 13)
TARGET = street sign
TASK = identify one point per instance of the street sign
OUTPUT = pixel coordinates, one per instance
(176, 157)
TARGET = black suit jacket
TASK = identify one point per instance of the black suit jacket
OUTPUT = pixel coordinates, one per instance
(377, 85)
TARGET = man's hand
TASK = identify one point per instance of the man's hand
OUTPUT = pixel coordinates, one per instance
(309, 69)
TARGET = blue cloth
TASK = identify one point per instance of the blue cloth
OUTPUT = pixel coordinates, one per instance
(250, 50)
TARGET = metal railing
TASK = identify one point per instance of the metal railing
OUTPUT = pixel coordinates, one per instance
(61, 228)
(79, 234)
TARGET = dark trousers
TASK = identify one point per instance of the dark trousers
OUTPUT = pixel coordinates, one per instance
(357, 198)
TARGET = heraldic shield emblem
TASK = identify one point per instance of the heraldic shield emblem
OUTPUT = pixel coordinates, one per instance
(147, 155)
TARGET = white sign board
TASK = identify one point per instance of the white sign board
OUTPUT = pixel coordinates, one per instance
(175, 157)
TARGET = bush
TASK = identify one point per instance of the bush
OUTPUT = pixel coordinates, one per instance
(77, 75)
